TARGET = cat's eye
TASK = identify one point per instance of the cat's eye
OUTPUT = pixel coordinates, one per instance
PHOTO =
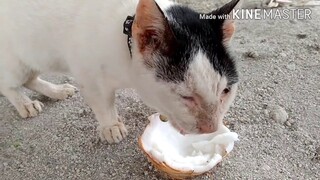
(187, 98)
(191, 101)
(226, 90)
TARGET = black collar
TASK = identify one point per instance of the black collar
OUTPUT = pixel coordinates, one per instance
(127, 29)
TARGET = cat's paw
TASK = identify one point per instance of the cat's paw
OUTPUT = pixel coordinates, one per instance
(113, 134)
(30, 109)
(65, 91)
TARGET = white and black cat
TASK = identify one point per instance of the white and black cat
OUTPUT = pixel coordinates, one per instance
(180, 64)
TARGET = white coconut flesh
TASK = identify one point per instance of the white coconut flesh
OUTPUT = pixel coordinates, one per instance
(197, 153)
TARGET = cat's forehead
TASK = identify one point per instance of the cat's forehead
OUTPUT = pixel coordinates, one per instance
(202, 78)
(186, 24)
(197, 40)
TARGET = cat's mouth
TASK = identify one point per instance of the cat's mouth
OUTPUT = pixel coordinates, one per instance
(184, 131)
(179, 128)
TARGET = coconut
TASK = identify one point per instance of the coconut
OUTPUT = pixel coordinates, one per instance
(184, 156)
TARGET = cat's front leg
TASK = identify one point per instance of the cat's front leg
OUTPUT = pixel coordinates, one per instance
(113, 133)
(102, 102)
(24, 105)
(53, 91)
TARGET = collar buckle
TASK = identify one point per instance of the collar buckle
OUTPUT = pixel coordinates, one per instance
(127, 30)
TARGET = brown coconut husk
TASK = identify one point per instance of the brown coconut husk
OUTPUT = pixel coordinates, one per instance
(163, 167)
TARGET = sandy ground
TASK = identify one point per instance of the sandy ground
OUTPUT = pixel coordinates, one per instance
(62, 142)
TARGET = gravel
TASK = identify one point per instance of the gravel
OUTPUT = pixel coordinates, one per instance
(62, 142)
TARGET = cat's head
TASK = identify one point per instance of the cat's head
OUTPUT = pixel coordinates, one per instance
(184, 68)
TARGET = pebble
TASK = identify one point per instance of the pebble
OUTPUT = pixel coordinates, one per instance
(265, 167)
(251, 54)
(242, 42)
(291, 121)
(279, 114)
(69, 79)
(288, 123)
(301, 36)
(318, 151)
(293, 21)
(291, 66)
(315, 47)
(82, 112)
(282, 54)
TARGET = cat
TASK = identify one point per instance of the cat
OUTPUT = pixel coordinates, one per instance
(179, 64)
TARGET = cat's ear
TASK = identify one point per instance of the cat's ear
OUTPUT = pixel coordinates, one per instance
(227, 24)
(150, 27)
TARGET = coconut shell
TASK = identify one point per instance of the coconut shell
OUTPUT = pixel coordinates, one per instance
(169, 171)
(173, 173)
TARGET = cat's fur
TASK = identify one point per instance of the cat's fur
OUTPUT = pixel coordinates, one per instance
(180, 64)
